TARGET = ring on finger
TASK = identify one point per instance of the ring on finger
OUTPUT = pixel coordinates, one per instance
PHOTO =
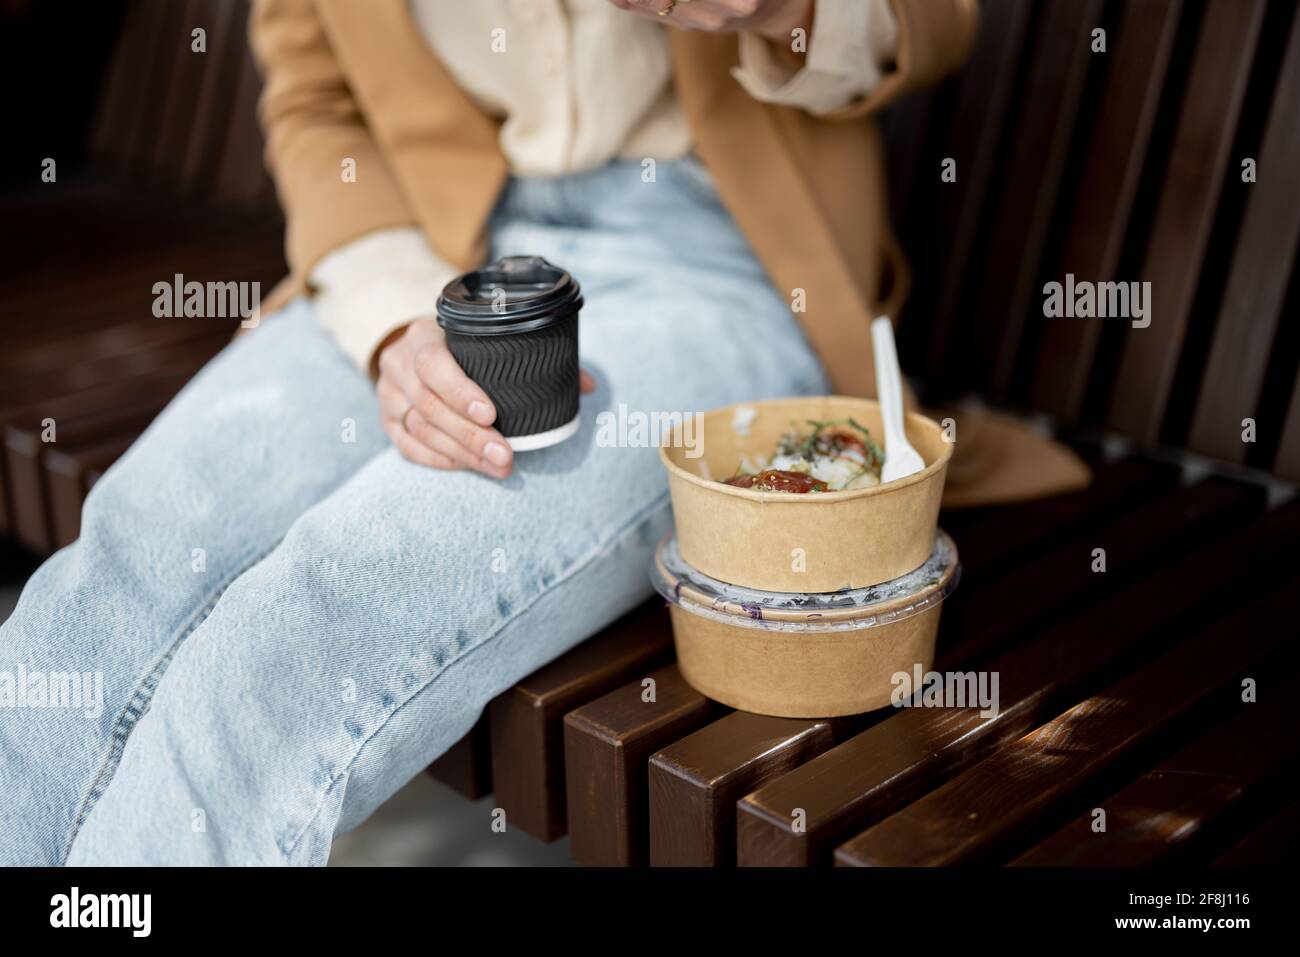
(667, 11)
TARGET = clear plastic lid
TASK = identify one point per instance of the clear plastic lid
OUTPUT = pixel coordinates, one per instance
(849, 610)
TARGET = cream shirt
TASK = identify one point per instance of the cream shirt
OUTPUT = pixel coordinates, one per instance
(576, 83)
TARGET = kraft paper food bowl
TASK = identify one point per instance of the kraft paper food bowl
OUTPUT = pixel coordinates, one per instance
(803, 655)
(816, 542)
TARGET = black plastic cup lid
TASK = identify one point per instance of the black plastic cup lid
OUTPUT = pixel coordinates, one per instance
(512, 295)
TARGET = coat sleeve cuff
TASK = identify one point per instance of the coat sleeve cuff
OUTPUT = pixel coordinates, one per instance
(373, 285)
(851, 46)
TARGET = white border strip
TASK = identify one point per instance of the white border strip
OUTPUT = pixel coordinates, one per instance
(542, 440)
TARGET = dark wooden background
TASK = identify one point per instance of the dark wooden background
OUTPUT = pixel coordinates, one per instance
(1117, 166)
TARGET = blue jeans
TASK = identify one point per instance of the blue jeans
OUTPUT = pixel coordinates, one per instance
(290, 620)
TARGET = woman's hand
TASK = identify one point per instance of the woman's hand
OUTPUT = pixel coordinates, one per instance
(774, 19)
(433, 412)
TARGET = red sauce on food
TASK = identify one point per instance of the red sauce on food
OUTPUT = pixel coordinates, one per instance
(779, 480)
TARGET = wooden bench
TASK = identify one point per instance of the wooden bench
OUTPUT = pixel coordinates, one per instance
(1121, 692)
(172, 182)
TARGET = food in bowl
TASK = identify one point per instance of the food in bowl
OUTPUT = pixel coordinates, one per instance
(833, 456)
(821, 542)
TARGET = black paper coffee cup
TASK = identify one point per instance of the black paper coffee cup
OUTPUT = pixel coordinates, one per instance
(513, 327)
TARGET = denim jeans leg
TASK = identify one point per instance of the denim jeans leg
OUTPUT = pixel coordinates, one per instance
(254, 440)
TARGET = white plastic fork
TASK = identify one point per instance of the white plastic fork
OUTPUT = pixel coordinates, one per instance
(901, 460)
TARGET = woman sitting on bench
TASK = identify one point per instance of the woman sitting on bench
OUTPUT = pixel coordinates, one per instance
(308, 577)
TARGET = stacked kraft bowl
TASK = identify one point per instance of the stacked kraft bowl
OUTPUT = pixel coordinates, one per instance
(802, 605)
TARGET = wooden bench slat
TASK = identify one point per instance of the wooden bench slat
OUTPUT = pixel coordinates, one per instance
(906, 125)
(93, 230)
(1043, 132)
(241, 174)
(989, 82)
(528, 720)
(162, 45)
(1257, 284)
(1185, 213)
(85, 226)
(226, 41)
(1163, 812)
(983, 812)
(870, 775)
(100, 343)
(25, 506)
(1092, 453)
(105, 311)
(184, 78)
(100, 371)
(119, 358)
(607, 744)
(467, 765)
(1273, 844)
(1099, 220)
(696, 782)
(65, 482)
(987, 613)
(60, 300)
(1287, 463)
(1003, 534)
(124, 79)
